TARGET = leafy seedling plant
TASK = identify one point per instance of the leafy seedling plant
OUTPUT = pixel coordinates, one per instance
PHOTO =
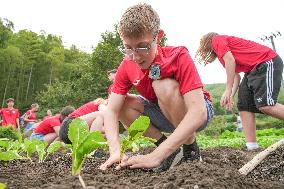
(135, 140)
(13, 150)
(83, 143)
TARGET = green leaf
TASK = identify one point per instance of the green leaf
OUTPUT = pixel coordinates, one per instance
(78, 130)
(2, 185)
(93, 141)
(4, 143)
(53, 147)
(9, 155)
(32, 148)
(139, 126)
(40, 148)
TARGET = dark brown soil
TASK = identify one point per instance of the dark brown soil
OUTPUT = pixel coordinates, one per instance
(219, 169)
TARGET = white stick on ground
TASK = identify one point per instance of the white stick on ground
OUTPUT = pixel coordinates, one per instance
(82, 181)
(259, 157)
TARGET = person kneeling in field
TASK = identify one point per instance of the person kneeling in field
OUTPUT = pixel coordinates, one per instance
(172, 94)
(48, 130)
(88, 112)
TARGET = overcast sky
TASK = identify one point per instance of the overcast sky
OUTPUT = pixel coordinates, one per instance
(81, 22)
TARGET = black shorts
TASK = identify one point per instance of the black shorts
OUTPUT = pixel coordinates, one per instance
(261, 86)
(63, 132)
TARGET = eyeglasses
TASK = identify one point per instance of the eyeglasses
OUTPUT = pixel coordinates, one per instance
(139, 50)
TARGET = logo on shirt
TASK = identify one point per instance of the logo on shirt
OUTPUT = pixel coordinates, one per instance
(155, 72)
(136, 82)
(259, 99)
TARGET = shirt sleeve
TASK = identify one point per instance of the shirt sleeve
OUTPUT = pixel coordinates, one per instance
(220, 45)
(122, 83)
(186, 73)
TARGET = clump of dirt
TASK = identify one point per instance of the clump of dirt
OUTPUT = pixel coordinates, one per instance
(219, 169)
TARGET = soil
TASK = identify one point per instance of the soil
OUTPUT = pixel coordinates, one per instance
(219, 169)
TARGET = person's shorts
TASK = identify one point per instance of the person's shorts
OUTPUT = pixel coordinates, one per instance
(159, 120)
(63, 132)
(37, 136)
(261, 86)
(28, 126)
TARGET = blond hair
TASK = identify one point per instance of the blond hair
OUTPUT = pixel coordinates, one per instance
(138, 20)
(205, 53)
(35, 105)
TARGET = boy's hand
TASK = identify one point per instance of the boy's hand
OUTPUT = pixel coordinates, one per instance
(115, 158)
(141, 161)
(227, 101)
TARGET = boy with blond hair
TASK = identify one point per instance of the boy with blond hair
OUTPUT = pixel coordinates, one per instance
(260, 85)
(172, 94)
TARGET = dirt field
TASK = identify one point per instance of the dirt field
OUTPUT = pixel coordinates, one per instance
(219, 169)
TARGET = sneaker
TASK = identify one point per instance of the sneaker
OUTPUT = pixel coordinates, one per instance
(191, 152)
(174, 159)
(98, 154)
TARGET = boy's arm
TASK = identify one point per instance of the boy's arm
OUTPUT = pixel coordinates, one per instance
(194, 118)
(230, 66)
(111, 116)
(236, 84)
(18, 123)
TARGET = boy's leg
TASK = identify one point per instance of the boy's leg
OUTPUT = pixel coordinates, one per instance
(247, 108)
(133, 107)
(98, 123)
(50, 137)
(175, 110)
(266, 82)
(276, 111)
(249, 128)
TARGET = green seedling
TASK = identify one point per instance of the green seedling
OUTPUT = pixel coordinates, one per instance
(83, 143)
(135, 140)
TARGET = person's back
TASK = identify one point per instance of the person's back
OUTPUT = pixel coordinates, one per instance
(47, 125)
(247, 53)
(89, 113)
(48, 130)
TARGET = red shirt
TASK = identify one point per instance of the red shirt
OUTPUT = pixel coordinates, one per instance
(174, 62)
(85, 109)
(46, 117)
(31, 115)
(47, 125)
(247, 53)
(9, 116)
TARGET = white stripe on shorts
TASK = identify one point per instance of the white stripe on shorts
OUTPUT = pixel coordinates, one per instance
(269, 83)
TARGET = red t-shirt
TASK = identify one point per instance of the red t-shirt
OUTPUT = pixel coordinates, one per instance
(47, 125)
(85, 109)
(247, 53)
(9, 116)
(174, 62)
(46, 117)
(31, 115)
